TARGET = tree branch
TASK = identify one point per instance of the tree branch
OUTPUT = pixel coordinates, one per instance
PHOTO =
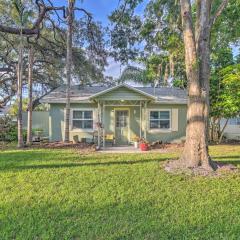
(218, 12)
(84, 11)
(36, 26)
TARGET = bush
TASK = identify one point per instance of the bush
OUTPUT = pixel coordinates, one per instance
(8, 130)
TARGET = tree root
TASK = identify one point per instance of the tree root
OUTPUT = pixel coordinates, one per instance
(216, 168)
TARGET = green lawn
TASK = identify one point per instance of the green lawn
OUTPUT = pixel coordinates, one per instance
(61, 194)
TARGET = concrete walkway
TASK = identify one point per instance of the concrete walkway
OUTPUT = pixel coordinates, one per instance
(126, 149)
(120, 149)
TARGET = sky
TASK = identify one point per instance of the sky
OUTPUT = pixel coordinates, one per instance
(100, 10)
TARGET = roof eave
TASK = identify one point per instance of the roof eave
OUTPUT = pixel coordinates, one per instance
(122, 85)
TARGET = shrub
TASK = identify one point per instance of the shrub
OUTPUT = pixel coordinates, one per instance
(8, 130)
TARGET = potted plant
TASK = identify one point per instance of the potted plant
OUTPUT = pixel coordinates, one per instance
(135, 141)
(144, 146)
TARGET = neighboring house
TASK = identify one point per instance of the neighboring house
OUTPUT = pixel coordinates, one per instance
(123, 111)
(232, 130)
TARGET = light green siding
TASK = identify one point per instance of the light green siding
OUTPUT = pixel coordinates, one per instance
(122, 93)
(56, 122)
(134, 120)
(172, 135)
(39, 121)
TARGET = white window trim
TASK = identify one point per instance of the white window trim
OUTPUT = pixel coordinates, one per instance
(81, 129)
(160, 129)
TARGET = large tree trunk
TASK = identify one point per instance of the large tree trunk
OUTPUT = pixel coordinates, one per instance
(197, 60)
(30, 101)
(195, 153)
(202, 33)
(19, 94)
(69, 66)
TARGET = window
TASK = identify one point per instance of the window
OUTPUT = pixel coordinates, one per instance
(121, 118)
(82, 119)
(160, 119)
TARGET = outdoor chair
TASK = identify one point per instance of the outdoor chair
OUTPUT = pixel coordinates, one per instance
(109, 138)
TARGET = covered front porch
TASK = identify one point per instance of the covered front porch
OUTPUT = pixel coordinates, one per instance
(121, 122)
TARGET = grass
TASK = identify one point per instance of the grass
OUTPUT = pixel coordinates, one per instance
(61, 194)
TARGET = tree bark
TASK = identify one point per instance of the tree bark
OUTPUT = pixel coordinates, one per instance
(19, 93)
(222, 131)
(30, 100)
(197, 61)
(69, 66)
(166, 75)
(159, 73)
(203, 49)
(195, 152)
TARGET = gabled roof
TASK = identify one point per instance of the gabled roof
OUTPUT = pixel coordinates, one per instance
(123, 85)
(79, 93)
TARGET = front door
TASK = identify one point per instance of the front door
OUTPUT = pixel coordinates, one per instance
(121, 126)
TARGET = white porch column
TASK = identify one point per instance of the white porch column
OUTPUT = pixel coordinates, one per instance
(140, 124)
(146, 119)
(99, 121)
(103, 124)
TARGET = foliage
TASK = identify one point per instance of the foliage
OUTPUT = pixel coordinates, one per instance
(61, 194)
(159, 38)
(89, 54)
(226, 99)
(8, 130)
(161, 35)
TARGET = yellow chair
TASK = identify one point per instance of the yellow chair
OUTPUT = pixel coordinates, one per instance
(110, 138)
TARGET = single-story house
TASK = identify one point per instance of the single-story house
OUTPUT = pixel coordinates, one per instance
(123, 111)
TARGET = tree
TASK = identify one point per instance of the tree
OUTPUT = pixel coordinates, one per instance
(70, 18)
(22, 17)
(197, 60)
(197, 20)
(92, 39)
(20, 9)
(30, 95)
(225, 100)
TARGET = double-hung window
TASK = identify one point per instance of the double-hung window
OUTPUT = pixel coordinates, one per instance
(82, 119)
(160, 119)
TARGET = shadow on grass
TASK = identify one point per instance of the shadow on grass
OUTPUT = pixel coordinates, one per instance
(79, 164)
(226, 157)
(236, 162)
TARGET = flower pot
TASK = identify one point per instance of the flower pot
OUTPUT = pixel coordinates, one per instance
(143, 146)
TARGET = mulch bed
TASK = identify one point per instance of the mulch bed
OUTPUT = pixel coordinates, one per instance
(61, 145)
(161, 145)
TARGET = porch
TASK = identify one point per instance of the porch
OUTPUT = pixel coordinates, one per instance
(121, 122)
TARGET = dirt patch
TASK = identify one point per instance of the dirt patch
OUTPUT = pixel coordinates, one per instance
(178, 167)
(161, 145)
(86, 147)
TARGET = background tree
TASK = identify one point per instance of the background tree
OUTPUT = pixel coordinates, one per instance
(89, 55)
(225, 100)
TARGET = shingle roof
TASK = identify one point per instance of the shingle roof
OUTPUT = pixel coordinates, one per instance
(168, 94)
(79, 93)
